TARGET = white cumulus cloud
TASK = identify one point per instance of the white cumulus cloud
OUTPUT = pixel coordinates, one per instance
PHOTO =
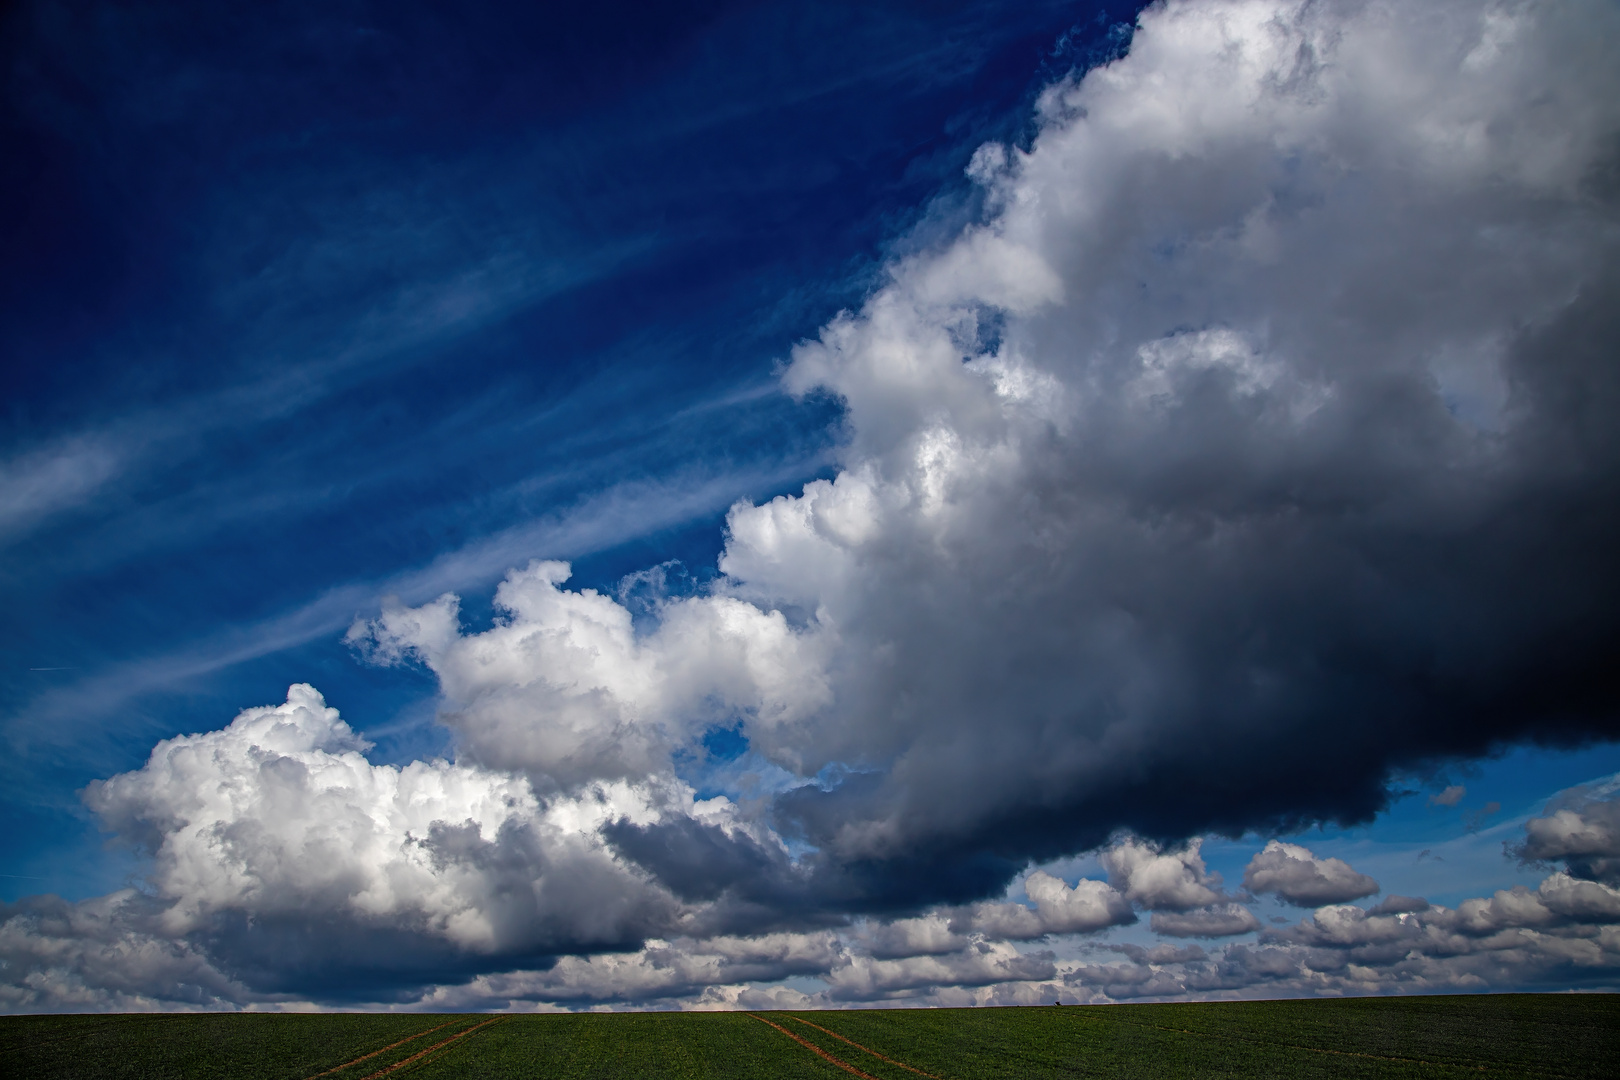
(1296, 875)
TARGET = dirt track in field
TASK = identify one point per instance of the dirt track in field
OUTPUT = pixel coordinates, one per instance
(419, 1055)
(813, 1048)
(384, 1050)
(865, 1049)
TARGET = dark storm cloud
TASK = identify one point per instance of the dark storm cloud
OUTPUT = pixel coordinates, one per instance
(1280, 478)
(1311, 624)
(335, 958)
(756, 887)
(699, 862)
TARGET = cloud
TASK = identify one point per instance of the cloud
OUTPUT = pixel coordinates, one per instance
(1449, 797)
(1560, 934)
(1192, 470)
(1557, 936)
(290, 858)
(623, 512)
(1294, 874)
(107, 954)
(1580, 828)
(1220, 920)
(678, 970)
(926, 936)
(1395, 904)
(1559, 901)
(564, 688)
(36, 484)
(1162, 880)
(982, 964)
(1161, 954)
(125, 950)
(1084, 907)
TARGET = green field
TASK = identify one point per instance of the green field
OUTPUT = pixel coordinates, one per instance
(1562, 1036)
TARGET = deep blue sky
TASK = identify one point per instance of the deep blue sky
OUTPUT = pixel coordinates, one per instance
(299, 299)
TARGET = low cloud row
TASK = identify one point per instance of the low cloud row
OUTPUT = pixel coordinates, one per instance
(452, 899)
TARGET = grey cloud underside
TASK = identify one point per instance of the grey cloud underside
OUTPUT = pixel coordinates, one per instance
(1225, 920)
(1258, 443)
(1332, 609)
(1243, 599)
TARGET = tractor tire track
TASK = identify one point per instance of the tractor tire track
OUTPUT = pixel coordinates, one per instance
(865, 1049)
(812, 1047)
(384, 1050)
(419, 1055)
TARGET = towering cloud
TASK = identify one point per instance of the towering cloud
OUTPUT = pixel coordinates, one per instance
(295, 859)
(1261, 422)
(1257, 429)
(1257, 441)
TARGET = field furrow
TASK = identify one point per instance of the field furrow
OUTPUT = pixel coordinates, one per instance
(384, 1050)
(813, 1048)
(422, 1054)
(865, 1049)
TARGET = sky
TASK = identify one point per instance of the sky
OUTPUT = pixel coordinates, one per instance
(807, 505)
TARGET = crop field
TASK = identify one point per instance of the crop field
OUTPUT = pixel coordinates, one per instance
(1567, 1037)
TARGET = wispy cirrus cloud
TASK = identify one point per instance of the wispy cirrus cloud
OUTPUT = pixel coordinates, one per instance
(376, 341)
(59, 716)
(47, 480)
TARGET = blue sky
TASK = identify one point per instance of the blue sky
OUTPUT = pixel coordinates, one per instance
(984, 441)
(357, 301)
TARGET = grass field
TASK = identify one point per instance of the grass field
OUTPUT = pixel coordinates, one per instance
(1555, 1036)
